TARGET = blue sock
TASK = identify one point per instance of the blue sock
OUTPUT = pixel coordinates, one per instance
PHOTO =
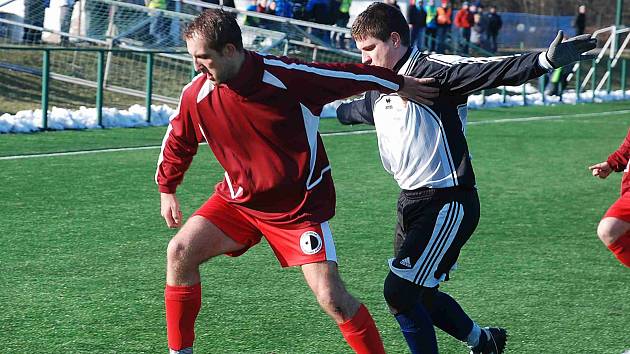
(448, 316)
(417, 328)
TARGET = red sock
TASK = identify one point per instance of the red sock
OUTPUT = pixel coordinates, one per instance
(621, 249)
(361, 333)
(182, 306)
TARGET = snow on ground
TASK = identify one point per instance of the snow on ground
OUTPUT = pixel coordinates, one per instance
(134, 116)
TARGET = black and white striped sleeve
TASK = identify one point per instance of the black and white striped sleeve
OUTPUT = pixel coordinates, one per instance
(358, 111)
(463, 76)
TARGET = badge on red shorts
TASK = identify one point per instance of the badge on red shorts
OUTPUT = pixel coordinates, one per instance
(310, 242)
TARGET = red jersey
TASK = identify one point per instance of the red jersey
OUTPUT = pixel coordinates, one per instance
(620, 161)
(262, 128)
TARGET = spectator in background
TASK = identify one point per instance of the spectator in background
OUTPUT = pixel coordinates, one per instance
(343, 16)
(319, 12)
(393, 3)
(282, 8)
(431, 29)
(34, 16)
(579, 23)
(158, 28)
(494, 26)
(478, 30)
(558, 81)
(65, 15)
(444, 22)
(262, 6)
(464, 20)
(417, 20)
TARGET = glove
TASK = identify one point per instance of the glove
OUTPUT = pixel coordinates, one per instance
(563, 53)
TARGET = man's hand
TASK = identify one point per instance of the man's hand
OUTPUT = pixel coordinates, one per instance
(419, 90)
(170, 210)
(601, 170)
(563, 53)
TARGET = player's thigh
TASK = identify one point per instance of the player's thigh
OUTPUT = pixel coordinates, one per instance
(432, 228)
(199, 240)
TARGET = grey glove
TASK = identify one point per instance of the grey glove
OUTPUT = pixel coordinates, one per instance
(573, 49)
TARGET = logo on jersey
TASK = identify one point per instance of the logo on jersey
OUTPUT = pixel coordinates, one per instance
(406, 262)
(311, 242)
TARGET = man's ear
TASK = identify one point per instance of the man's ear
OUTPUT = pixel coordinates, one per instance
(229, 50)
(395, 37)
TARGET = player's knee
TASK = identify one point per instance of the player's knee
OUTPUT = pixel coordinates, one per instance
(178, 250)
(606, 231)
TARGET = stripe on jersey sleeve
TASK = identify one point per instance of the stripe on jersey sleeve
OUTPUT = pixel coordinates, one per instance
(329, 244)
(333, 73)
(170, 126)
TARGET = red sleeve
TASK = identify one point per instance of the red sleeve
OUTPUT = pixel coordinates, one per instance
(178, 148)
(459, 18)
(618, 160)
(316, 84)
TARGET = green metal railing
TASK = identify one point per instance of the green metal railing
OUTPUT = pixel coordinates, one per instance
(150, 62)
(100, 73)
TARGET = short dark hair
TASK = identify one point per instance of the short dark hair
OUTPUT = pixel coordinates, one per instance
(379, 20)
(217, 27)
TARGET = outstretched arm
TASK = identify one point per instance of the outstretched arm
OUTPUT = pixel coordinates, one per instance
(467, 75)
(316, 84)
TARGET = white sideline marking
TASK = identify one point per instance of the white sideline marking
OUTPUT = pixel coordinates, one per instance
(358, 132)
(529, 119)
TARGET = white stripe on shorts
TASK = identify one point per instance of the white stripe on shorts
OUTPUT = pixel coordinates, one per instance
(329, 244)
(446, 226)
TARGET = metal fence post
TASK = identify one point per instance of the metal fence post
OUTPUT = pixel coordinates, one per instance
(504, 94)
(99, 87)
(524, 93)
(609, 81)
(593, 80)
(483, 97)
(577, 83)
(623, 77)
(45, 84)
(541, 88)
(149, 86)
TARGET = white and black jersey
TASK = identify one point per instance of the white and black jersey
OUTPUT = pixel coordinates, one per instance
(425, 146)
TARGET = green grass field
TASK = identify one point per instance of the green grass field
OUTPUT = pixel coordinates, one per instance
(83, 244)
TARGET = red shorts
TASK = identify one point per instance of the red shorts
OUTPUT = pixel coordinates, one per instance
(292, 246)
(620, 209)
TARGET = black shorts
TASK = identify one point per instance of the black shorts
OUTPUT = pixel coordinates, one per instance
(433, 225)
